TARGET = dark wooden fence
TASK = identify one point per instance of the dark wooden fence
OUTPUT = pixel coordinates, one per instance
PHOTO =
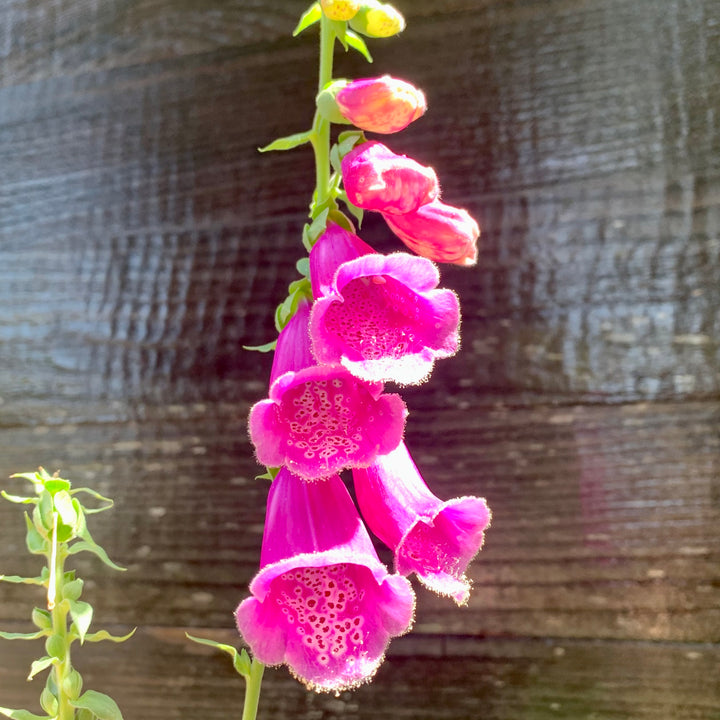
(143, 240)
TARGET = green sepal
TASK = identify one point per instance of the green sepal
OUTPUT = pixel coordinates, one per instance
(103, 706)
(55, 647)
(20, 499)
(357, 43)
(101, 635)
(298, 290)
(42, 618)
(72, 685)
(241, 660)
(72, 589)
(308, 18)
(21, 580)
(48, 701)
(267, 347)
(24, 636)
(35, 542)
(22, 714)
(288, 142)
(82, 614)
(84, 715)
(354, 210)
(270, 475)
(40, 665)
(316, 228)
(303, 266)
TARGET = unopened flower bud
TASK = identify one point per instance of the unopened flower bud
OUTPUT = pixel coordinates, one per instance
(439, 232)
(377, 19)
(382, 105)
(340, 9)
(375, 178)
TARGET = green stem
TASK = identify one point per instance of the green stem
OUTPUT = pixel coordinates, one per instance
(252, 690)
(321, 126)
(59, 613)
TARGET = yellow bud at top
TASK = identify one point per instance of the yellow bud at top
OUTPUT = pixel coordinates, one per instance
(377, 19)
(340, 9)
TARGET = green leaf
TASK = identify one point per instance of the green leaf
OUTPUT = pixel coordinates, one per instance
(241, 660)
(89, 545)
(24, 636)
(40, 665)
(288, 142)
(308, 18)
(36, 543)
(22, 714)
(357, 43)
(101, 635)
(267, 347)
(104, 707)
(82, 614)
(23, 580)
(18, 498)
(97, 496)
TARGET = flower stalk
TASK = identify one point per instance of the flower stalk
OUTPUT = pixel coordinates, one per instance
(56, 530)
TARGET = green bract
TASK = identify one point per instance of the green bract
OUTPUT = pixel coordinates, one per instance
(56, 529)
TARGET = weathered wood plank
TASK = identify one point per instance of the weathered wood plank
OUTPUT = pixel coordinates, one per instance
(160, 674)
(606, 520)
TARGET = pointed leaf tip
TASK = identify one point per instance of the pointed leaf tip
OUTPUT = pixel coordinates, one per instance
(103, 706)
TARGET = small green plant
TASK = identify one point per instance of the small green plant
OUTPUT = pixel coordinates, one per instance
(57, 529)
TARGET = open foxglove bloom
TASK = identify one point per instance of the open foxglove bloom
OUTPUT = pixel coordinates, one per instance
(382, 104)
(322, 603)
(375, 178)
(434, 539)
(381, 316)
(439, 232)
(320, 419)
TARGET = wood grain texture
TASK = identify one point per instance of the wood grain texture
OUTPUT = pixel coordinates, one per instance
(143, 240)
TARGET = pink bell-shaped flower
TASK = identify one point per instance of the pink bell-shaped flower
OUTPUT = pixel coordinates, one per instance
(380, 316)
(320, 419)
(382, 104)
(434, 539)
(322, 603)
(375, 178)
(439, 232)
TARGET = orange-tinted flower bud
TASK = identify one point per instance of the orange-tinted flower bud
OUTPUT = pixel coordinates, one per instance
(381, 105)
(377, 19)
(439, 232)
(340, 9)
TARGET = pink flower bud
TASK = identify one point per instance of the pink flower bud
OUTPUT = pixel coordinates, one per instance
(381, 105)
(375, 178)
(439, 232)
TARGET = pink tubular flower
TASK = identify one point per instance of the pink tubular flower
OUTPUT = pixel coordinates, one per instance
(322, 602)
(438, 232)
(318, 420)
(380, 316)
(381, 105)
(375, 178)
(434, 539)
